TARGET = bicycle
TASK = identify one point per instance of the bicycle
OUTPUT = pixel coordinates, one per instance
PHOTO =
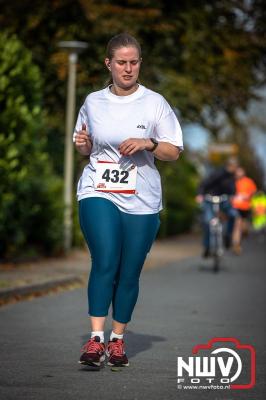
(216, 229)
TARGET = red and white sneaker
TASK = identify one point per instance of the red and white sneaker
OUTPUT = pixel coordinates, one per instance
(116, 353)
(93, 352)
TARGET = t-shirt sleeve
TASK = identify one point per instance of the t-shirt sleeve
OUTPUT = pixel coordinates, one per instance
(82, 119)
(167, 127)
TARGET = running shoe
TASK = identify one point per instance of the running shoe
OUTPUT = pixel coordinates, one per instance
(93, 352)
(116, 353)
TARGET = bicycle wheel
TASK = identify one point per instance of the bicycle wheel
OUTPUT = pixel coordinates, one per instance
(216, 244)
(216, 262)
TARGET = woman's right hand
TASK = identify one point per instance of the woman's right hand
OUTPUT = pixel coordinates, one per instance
(83, 141)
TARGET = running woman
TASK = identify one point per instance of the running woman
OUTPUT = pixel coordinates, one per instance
(120, 128)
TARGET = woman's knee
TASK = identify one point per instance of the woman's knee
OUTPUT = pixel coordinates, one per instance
(105, 269)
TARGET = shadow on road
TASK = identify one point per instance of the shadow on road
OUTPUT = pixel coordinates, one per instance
(208, 267)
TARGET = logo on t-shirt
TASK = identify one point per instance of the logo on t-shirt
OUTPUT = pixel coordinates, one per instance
(141, 127)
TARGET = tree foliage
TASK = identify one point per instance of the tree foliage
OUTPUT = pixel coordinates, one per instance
(197, 52)
(30, 213)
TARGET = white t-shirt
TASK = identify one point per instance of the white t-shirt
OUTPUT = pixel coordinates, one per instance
(111, 119)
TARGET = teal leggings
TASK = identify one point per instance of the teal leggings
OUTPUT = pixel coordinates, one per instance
(118, 243)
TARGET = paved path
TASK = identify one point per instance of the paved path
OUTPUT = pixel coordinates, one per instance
(180, 305)
(19, 280)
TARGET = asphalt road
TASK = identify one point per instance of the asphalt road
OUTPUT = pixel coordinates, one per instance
(180, 305)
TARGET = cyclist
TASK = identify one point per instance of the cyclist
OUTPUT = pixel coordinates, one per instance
(245, 189)
(121, 128)
(219, 182)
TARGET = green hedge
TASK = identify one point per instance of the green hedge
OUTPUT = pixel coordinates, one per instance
(179, 183)
(30, 202)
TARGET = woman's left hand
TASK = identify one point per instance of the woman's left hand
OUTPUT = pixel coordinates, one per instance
(131, 146)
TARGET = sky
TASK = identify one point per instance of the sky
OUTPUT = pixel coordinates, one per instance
(198, 138)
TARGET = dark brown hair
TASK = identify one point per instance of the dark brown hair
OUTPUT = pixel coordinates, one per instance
(118, 41)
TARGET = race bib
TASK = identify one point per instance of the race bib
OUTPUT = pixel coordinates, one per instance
(115, 177)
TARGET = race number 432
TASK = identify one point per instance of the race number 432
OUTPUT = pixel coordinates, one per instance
(113, 177)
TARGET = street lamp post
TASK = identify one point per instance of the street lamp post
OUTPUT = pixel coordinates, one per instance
(73, 48)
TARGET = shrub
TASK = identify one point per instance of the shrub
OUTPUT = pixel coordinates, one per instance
(30, 202)
(179, 182)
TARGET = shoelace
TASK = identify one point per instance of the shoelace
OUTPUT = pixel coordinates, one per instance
(92, 346)
(116, 348)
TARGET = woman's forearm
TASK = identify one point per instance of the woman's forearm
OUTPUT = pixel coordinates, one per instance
(84, 151)
(166, 152)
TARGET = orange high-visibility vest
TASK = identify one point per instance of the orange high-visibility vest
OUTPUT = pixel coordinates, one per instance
(245, 188)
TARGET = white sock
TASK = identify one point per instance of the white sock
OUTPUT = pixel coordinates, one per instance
(115, 335)
(98, 333)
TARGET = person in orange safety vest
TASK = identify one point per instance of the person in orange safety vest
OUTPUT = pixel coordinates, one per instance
(245, 189)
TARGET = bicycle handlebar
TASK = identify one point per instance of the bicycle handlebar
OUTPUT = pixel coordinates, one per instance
(216, 199)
